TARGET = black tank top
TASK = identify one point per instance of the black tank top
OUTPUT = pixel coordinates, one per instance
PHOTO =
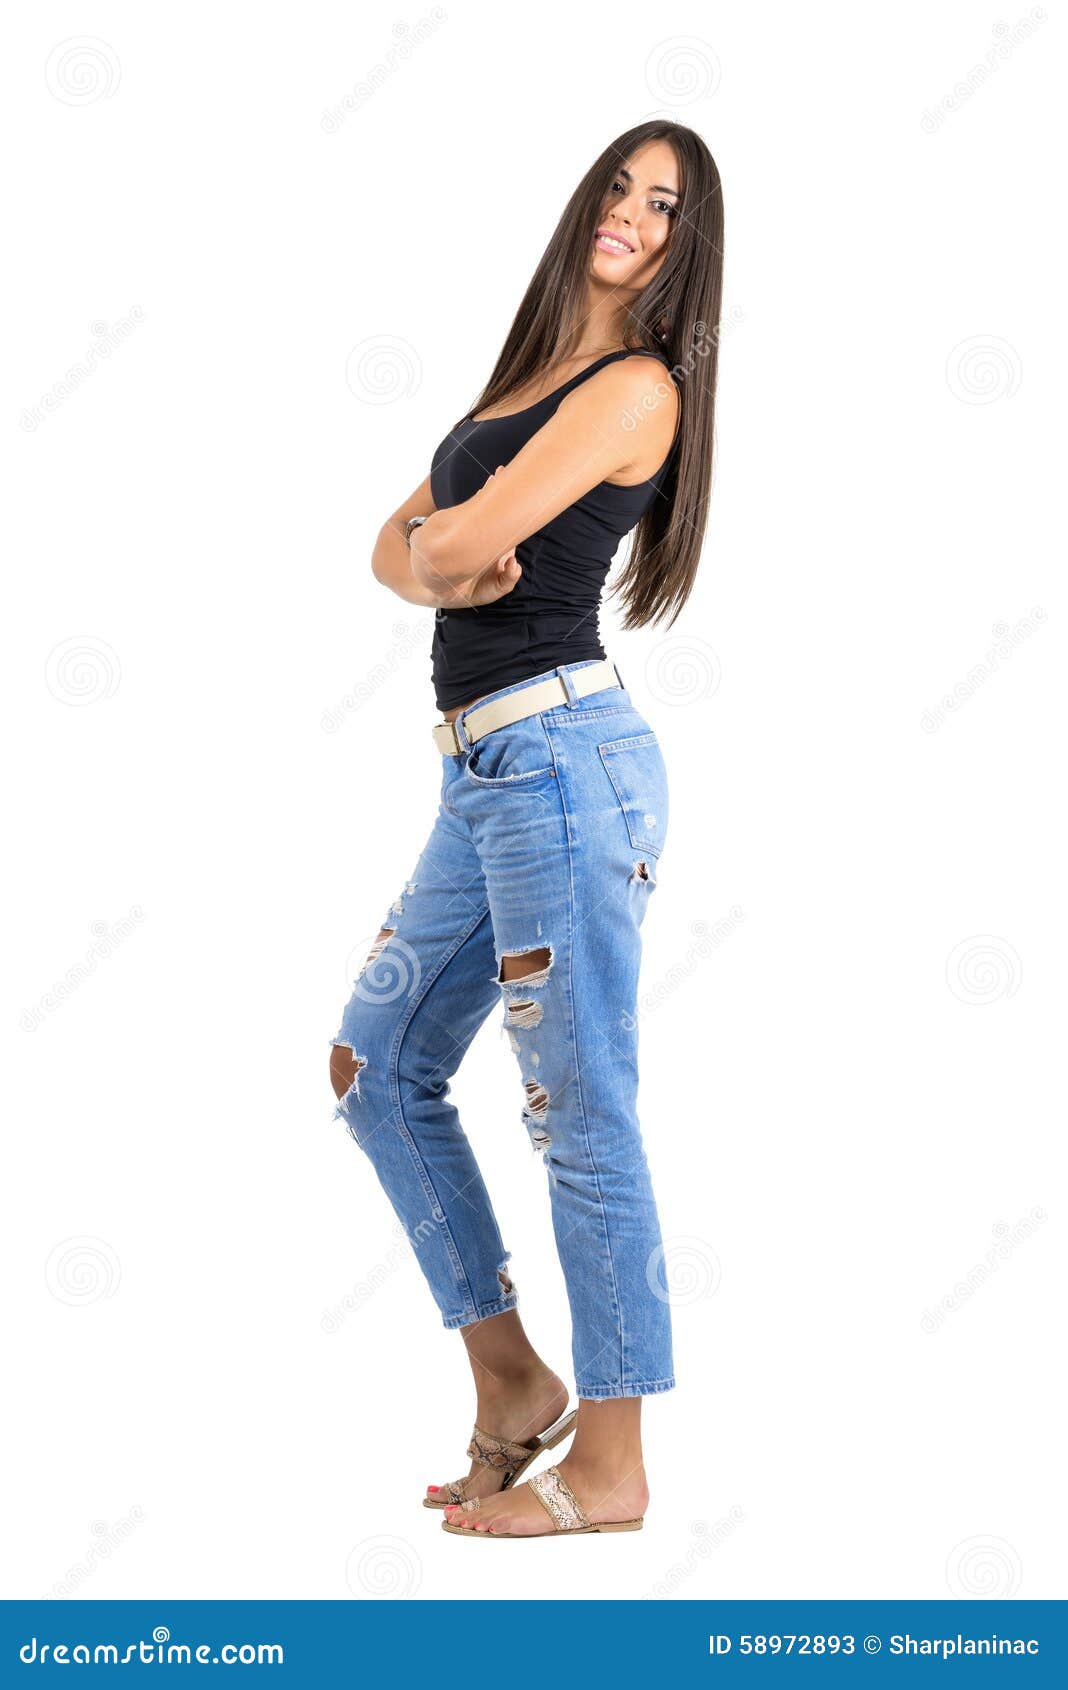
(550, 616)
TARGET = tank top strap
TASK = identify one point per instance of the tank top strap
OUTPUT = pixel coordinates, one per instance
(609, 357)
(590, 370)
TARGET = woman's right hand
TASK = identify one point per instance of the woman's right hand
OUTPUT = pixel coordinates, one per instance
(488, 585)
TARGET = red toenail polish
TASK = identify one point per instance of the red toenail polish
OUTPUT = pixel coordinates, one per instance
(433, 1487)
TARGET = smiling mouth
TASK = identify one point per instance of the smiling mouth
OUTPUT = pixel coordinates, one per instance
(611, 243)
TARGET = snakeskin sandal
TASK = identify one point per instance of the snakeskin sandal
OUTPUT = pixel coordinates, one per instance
(509, 1459)
(560, 1503)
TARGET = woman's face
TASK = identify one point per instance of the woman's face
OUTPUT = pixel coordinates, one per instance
(635, 223)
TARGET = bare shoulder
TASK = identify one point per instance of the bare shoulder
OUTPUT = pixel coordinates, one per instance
(636, 401)
(631, 389)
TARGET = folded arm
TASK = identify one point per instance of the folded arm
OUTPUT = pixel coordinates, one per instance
(391, 561)
(620, 419)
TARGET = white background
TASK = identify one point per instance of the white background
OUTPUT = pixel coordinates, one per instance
(219, 722)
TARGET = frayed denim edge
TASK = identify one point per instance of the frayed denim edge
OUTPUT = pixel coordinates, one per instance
(485, 1311)
(649, 1388)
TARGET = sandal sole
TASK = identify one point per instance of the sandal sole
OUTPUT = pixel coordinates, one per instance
(576, 1531)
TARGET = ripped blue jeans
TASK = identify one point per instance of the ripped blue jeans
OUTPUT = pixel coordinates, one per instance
(546, 844)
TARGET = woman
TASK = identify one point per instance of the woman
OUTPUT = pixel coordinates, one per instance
(532, 887)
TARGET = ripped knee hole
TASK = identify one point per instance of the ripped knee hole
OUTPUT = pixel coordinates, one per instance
(532, 967)
(345, 1065)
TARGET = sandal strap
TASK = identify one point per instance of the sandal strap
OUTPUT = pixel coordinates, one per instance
(497, 1453)
(559, 1500)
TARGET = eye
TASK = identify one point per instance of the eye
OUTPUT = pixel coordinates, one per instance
(665, 206)
(619, 186)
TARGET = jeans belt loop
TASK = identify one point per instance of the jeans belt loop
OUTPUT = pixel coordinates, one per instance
(564, 672)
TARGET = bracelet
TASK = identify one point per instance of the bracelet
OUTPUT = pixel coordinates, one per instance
(410, 526)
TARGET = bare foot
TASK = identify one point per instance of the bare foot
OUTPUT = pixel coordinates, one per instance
(606, 1497)
(516, 1410)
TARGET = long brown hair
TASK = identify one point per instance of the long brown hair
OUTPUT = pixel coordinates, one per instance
(677, 315)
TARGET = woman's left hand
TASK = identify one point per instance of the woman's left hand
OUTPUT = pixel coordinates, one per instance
(484, 587)
(493, 583)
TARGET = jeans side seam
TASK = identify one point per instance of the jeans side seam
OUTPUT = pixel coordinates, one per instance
(578, 1077)
(393, 1063)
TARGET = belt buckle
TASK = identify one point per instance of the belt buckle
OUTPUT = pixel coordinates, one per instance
(446, 738)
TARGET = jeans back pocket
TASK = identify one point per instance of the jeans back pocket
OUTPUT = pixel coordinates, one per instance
(635, 766)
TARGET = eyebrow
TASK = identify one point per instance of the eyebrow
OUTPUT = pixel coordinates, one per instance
(657, 187)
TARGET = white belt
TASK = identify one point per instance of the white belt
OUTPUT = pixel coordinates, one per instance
(482, 719)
